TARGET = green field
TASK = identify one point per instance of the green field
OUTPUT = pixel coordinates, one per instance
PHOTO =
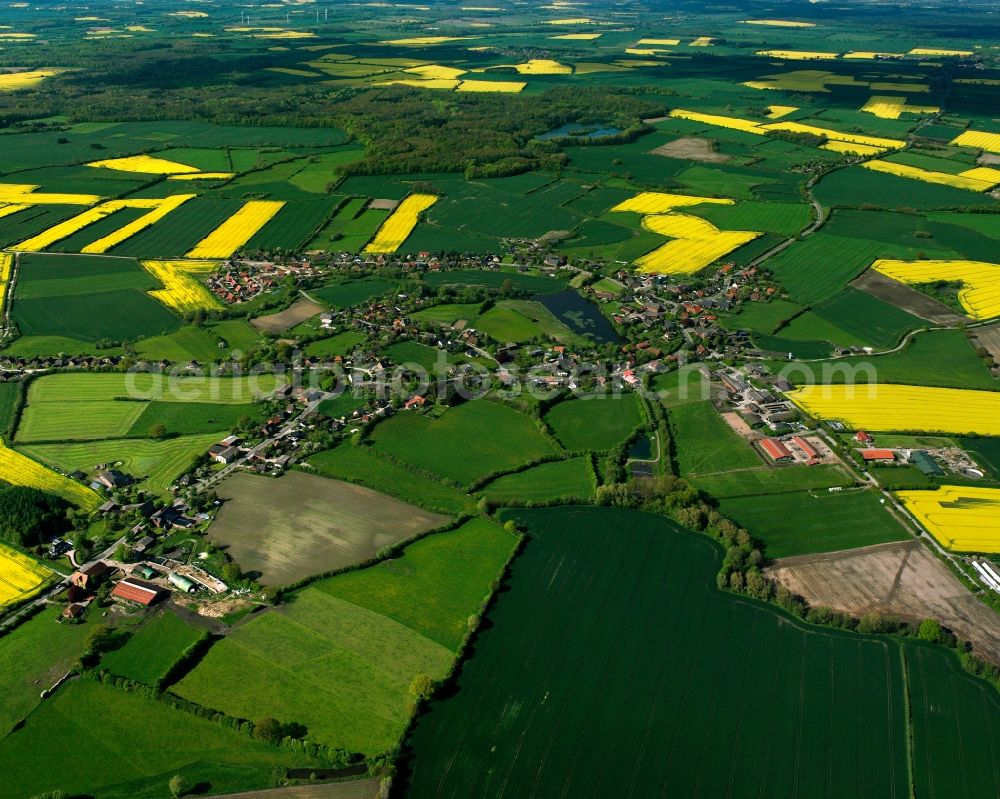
(705, 444)
(468, 442)
(189, 418)
(934, 358)
(569, 479)
(94, 406)
(342, 344)
(804, 522)
(9, 393)
(595, 423)
(157, 462)
(519, 321)
(339, 656)
(702, 693)
(152, 649)
(361, 465)
(348, 293)
(33, 657)
(88, 299)
(135, 763)
(767, 480)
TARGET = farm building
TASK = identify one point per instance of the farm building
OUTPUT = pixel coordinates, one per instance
(775, 450)
(925, 463)
(862, 437)
(133, 590)
(90, 576)
(806, 448)
(878, 455)
(182, 583)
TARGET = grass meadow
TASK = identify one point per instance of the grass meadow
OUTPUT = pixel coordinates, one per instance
(359, 464)
(595, 423)
(705, 444)
(568, 479)
(804, 522)
(152, 649)
(158, 462)
(468, 442)
(339, 655)
(135, 763)
(33, 657)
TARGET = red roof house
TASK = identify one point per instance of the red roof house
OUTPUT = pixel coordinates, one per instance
(133, 590)
(878, 454)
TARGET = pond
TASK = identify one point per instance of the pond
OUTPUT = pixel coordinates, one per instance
(642, 449)
(580, 315)
(577, 131)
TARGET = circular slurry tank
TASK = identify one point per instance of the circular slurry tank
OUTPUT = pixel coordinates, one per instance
(973, 474)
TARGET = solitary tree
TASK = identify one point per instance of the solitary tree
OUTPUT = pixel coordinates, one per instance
(178, 785)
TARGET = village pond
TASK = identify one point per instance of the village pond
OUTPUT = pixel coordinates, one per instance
(580, 315)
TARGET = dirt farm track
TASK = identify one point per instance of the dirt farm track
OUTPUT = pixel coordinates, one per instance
(900, 579)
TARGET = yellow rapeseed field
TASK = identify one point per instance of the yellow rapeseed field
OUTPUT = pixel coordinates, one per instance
(980, 292)
(658, 42)
(7, 210)
(871, 54)
(939, 51)
(182, 290)
(25, 194)
(188, 14)
(10, 81)
(886, 106)
(655, 202)
(490, 86)
(419, 83)
(436, 71)
(542, 66)
(836, 135)
(158, 208)
(569, 21)
(6, 264)
(577, 37)
(778, 111)
(798, 55)
(20, 470)
(157, 213)
(749, 126)
(236, 231)
(961, 518)
(779, 23)
(954, 411)
(418, 41)
(979, 139)
(963, 180)
(696, 241)
(853, 149)
(203, 176)
(685, 256)
(400, 224)
(702, 41)
(145, 164)
(20, 576)
(746, 125)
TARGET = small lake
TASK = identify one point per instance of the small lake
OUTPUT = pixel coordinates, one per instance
(577, 131)
(580, 315)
